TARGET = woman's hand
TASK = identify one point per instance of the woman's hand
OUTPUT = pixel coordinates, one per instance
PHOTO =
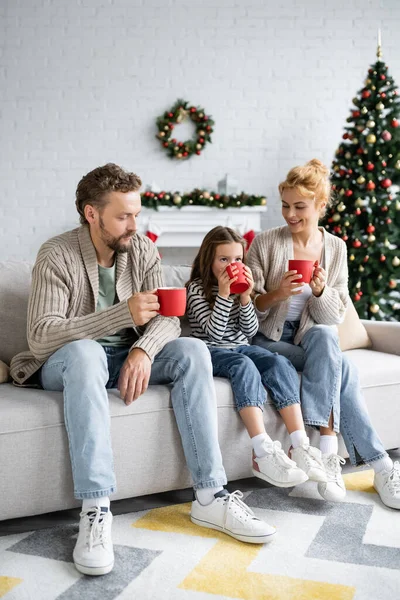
(245, 297)
(224, 284)
(289, 286)
(317, 283)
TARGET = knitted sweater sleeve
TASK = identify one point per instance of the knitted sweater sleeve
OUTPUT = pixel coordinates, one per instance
(257, 260)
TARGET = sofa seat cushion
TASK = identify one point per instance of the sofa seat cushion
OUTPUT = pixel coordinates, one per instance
(376, 368)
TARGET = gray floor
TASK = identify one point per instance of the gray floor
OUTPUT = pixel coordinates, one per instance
(136, 504)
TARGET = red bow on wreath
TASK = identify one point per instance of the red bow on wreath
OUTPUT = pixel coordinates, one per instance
(249, 237)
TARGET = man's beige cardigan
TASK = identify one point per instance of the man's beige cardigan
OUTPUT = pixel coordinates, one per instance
(63, 299)
(268, 260)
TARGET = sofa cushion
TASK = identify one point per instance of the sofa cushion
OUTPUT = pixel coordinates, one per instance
(352, 333)
(15, 280)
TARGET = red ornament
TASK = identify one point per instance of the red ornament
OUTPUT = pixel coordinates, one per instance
(165, 144)
(205, 118)
(350, 171)
(384, 208)
(170, 126)
(360, 151)
(185, 153)
(383, 77)
(358, 211)
(392, 284)
(345, 136)
(342, 172)
(337, 229)
(357, 297)
(394, 123)
(192, 109)
(370, 185)
(370, 166)
(217, 196)
(382, 258)
(201, 140)
(356, 244)
(349, 193)
(388, 221)
(180, 144)
(366, 258)
(173, 140)
(198, 152)
(385, 183)
(360, 292)
(383, 163)
(382, 95)
(345, 238)
(208, 128)
(366, 94)
(356, 113)
(170, 115)
(370, 228)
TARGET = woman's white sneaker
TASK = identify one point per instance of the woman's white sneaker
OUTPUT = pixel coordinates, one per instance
(334, 489)
(309, 460)
(276, 467)
(93, 553)
(227, 513)
(387, 484)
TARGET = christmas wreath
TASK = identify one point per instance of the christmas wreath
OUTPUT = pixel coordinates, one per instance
(199, 197)
(181, 111)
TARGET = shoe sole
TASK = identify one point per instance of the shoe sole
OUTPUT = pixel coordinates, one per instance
(332, 498)
(94, 570)
(264, 539)
(281, 484)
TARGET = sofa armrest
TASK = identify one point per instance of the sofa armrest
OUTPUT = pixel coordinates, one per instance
(384, 335)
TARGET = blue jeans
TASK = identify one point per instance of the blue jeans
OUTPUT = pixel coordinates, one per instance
(84, 369)
(251, 369)
(329, 384)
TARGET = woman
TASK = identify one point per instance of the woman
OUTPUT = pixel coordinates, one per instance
(295, 319)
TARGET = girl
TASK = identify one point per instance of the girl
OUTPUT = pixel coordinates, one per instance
(225, 323)
(297, 324)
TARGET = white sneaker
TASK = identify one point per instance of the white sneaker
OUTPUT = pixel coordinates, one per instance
(227, 513)
(334, 489)
(387, 484)
(309, 459)
(277, 468)
(93, 553)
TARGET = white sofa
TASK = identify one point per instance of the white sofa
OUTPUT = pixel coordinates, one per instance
(35, 473)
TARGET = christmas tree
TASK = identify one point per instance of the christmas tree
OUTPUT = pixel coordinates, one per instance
(365, 178)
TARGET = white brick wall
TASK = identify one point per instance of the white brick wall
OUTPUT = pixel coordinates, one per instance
(83, 81)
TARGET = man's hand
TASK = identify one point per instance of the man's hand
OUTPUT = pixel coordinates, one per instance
(134, 375)
(143, 306)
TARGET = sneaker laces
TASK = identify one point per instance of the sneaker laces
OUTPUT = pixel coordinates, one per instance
(94, 526)
(312, 455)
(393, 481)
(235, 504)
(275, 449)
(332, 466)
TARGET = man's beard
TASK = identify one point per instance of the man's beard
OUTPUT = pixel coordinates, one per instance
(115, 243)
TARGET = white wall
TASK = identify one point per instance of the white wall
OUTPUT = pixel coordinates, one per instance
(83, 81)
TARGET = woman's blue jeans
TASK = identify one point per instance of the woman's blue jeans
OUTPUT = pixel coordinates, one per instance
(84, 369)
(251, 370)
(329, 384)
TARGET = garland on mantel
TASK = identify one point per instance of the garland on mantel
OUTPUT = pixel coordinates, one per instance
(200, 198)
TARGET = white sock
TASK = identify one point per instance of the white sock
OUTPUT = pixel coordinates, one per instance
(258, 443)
(383, 464)
(89, 503)
(206, 495)
(329, 444)
(298, 438)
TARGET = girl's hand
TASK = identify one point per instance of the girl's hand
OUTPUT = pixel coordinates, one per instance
(317, 283)
(224, 284)
(245, 297)
(289, 286)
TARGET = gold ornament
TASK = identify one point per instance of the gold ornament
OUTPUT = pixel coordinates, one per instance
(373, 87)
(397, 204)
(380, 106)
(364, 110)
(361, 268)
(341, 207)
(166, 128)
(201, 115)
(161, 134)
(263, 201)
(359, 162)
(368, 81)
(356, 101)
(346, 223)
(386, 243)
(360, 128)
(371, 238)
(397, 164)
(371, 138)
(176, 148)
(373, 200)
(359, 203)
(198, 146)
(351, 257)
(176, 199)
(179, 155)
(341, 192)
(370, 123)
(374, 308)
(355, 140)
(167, 196)
(206, 195)
(361, 179)
(202, 133)
(336, 217)
(396, 261)
(358, 285)
(347, 155)
(377, 153)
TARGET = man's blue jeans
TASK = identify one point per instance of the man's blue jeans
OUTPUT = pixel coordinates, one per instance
(251, 370)
(329, 384)
(84, 369)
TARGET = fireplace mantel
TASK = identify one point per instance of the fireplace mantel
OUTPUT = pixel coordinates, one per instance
(186, 227)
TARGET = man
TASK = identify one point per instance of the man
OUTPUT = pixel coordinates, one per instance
(93, 324)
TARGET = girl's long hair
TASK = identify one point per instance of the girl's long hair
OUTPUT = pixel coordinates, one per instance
(202, 265)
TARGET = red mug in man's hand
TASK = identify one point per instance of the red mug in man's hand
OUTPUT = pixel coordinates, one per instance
(172, 301)
(240, 285)
(304, 268)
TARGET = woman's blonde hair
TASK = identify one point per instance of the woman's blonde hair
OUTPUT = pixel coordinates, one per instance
(310, 180)
(202, 265)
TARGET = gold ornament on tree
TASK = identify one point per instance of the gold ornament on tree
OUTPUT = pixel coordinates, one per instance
(176, 199)
(396, 261)
(371, 138)
(380, 106)
(374, 308)
(361, 180)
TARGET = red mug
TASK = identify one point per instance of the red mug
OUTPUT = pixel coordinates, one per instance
(172, 301)
(240, 285)
(304, 268)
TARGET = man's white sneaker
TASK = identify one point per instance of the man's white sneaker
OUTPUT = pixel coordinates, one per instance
(309, 460)
(276, 467)
(387, 484)
(93, 553)
(334, 489)
(227, 513)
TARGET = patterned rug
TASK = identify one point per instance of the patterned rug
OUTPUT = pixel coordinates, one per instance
(347, 551)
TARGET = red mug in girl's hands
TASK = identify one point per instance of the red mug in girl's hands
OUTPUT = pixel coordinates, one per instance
(172, 301)
(304, 268)
(240, 285)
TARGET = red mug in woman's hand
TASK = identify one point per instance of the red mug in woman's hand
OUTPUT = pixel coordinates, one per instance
(304, 268)
(241, 284)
